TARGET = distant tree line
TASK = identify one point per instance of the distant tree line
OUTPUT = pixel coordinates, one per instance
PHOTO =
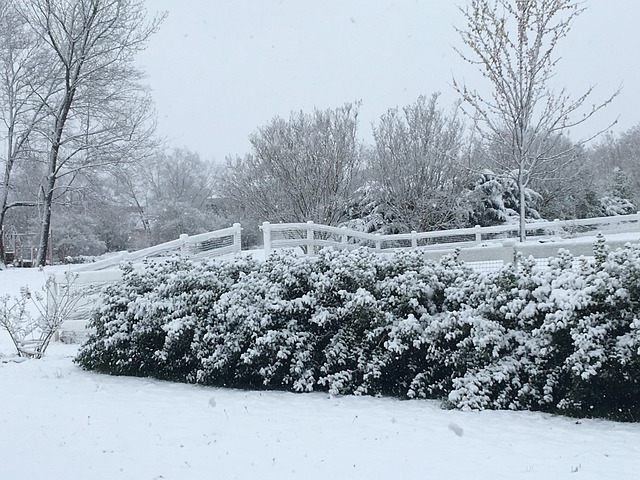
(425, 171)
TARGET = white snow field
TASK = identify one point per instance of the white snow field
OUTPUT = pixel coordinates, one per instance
(60, 422)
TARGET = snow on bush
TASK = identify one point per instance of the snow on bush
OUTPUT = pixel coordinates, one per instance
(560, 339)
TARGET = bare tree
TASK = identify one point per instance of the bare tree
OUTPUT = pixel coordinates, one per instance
(415, 161)
(173, 195)
(513, 43)
(300, 169)
(23, 87)
(54, 305)
(615, 161)
(99, 113)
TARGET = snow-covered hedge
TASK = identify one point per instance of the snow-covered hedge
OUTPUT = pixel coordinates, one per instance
(564, 339)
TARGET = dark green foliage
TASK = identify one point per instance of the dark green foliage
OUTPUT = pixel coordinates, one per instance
(563, 338)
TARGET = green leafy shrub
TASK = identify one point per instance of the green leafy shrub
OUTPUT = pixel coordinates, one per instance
(560, 338)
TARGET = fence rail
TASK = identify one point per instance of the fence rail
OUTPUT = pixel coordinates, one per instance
(492, 257)
(310, 236)
(211, 244)
(88, 279)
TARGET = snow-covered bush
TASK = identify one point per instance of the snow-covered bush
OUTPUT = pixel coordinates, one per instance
(563, 338)
(605, 363)
(145, 324)
(127, 331)
(612, 205)
(316, 323)
(290, 322)
(559, 339)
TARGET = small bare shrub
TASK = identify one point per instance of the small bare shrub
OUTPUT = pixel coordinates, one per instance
(31, 333)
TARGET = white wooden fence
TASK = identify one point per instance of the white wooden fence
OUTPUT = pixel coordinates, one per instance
(310, 236)
(493, 256)
(210, 244)
(484, 248)
(88, 279)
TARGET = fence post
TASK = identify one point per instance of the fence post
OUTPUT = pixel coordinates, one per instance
(183, 245)
(266, 236)
(478, 229)
(237, 237)
(414, 239)
(310, 237)
(511, 246)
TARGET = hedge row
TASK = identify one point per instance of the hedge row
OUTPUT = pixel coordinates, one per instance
(564, 339)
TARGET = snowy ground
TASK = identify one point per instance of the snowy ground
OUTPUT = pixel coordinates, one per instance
(59, 422)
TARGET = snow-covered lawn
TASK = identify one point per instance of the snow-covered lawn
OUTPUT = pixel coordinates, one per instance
(60, 422)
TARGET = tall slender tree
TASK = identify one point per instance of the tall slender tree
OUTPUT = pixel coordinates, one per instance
(23, 90)
(99, 113)
(513, 43)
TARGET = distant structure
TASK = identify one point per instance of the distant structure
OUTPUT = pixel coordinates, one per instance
(20, 248)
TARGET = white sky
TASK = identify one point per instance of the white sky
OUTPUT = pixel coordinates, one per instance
(219, 69)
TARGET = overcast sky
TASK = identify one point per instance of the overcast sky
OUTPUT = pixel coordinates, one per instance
(219, 69)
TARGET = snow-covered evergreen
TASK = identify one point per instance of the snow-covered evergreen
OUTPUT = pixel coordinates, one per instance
(494, 200)
(562, 339)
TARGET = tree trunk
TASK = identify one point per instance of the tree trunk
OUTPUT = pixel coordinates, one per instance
(5, 190)
(54, 152)
(523, 207)
(45, 226)
(3, 212)
(2, 252)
